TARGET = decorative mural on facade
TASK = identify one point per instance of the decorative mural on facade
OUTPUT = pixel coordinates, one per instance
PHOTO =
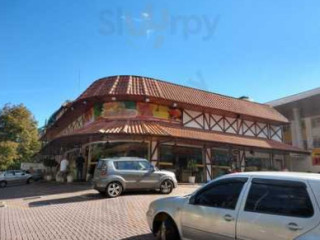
(125, 110)
(129, 109)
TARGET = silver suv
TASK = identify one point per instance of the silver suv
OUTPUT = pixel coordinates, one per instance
(246, 206)
(112, 176)
(14, 177)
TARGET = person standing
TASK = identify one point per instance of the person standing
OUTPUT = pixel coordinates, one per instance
(79, 163)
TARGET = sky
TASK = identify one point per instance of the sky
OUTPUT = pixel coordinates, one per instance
(51, 51)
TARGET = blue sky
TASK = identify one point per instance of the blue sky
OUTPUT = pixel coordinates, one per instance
(51, 51)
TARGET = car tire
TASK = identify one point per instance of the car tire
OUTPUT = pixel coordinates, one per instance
(167, 230)
(114, 189)
(166, 187)
(30, 180)
(3, 184)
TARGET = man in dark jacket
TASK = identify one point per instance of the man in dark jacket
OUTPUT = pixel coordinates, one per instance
(79, 163)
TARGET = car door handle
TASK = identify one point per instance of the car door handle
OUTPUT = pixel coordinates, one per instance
(228, 218)
(294, 227)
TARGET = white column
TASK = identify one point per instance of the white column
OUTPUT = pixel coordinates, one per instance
(297, 140)
(309, 132)
(154, 154)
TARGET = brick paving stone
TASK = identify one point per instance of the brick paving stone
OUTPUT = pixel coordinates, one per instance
(75, 212)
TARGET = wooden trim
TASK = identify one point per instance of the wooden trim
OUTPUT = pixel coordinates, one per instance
(249, 128)
(217, 123)
(193, 119)
(231, 125)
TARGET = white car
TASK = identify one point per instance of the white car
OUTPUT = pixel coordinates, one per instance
(255, 206)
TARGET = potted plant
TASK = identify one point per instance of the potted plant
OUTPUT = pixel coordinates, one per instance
(50, 164)
(193, 168)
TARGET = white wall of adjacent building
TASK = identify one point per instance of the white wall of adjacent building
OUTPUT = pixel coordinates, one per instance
(308, 138)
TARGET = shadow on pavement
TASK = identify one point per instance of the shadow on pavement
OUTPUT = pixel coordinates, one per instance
(81, 198)
(40, 189)
(141, 237)
(73, 199)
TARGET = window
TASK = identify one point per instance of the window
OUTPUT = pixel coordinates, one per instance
(316, 142)
(101, 164)
(132, 165)
(285, 198)
(221, 194)
(142, 165)
(315, 122)
(10, 173)
(124, 165)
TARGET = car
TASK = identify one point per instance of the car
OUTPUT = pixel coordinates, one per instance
(14, 177)
(37, 175)
(113, 176)
(255, 206)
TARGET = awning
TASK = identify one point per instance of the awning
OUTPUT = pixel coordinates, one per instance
(162, 129)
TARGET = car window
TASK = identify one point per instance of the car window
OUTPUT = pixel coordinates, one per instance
(222, 194)
(10, 173)
(142, 165)
(101, 164)
(124, 165)
(279, 198)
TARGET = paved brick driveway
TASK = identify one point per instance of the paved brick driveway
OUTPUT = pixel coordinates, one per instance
(74, 211)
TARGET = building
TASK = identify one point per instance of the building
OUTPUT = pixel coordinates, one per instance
(170, 125)
(303, 112)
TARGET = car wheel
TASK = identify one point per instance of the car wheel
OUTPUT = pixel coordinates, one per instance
(167, 231)
(114, 189)
(166, 187)
(30, 180)
(3, 184)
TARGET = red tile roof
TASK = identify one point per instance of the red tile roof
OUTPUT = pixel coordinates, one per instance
(150, 128)
(123, 86)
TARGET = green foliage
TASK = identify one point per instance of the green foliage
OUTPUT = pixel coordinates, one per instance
(192, 166)
(18, 135)
(8, 153)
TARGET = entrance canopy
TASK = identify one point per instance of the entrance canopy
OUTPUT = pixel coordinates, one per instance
(104, 128)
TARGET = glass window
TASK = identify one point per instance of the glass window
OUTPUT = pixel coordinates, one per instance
(175, 158)
(10, 173)
(101, 164)
(221, 195)
(315, 122)
(142, 165)
(125, 165)
(281, 199)
(316, 142)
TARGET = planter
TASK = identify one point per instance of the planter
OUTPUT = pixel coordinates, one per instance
(192, 179)
(48, 178)
(69, 178)
(59, 179)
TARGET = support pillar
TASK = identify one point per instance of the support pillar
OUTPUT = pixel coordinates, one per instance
(297, 140)
(154, 153)
(208, 163)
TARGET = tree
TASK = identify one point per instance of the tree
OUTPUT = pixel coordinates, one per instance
(18, 135)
